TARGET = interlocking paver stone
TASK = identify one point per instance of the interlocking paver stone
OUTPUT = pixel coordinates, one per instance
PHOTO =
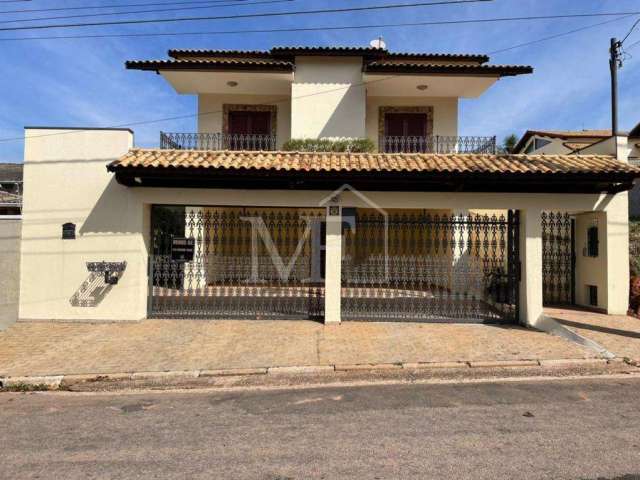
(47, 348)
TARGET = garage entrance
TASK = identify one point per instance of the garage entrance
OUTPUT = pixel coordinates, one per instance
(431, 266)
(236, 263)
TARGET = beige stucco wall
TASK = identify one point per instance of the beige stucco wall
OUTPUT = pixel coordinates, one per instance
(590, 270)
(328, 98)
(445, 113)
(66, 181)
(210, 112)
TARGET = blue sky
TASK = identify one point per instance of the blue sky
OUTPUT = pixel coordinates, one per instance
(83, 83)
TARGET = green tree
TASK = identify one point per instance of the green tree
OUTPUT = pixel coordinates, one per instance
(509, 143)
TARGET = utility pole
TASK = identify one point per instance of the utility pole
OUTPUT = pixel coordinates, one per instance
(614, 64)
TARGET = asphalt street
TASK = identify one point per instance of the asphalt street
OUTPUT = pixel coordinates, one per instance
(569, 429)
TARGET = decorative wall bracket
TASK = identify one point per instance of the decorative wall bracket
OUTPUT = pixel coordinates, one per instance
(111, 270)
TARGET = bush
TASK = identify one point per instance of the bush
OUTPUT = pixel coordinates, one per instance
(354, 145)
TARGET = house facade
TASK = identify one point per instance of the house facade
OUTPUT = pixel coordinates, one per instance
(325, 183)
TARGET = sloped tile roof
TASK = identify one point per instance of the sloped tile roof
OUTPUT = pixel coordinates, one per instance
(218, 64)
(139, 158)
(453, 68)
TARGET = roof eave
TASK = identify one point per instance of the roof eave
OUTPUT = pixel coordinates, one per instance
(203, 67)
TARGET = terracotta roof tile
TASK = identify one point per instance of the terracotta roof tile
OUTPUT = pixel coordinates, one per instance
(371, 162)
(211, 64)
(452, 68)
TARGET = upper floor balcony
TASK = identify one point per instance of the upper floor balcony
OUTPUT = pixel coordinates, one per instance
(386, 144)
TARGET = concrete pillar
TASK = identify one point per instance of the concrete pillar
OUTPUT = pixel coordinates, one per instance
(531, 266)
(616, 249)
(333, 265)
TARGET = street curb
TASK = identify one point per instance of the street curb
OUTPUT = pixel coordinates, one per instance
(421, 365)
(505, 364)
(55, 382)
(572, 362)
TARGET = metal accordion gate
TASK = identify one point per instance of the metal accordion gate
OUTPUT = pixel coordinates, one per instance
(425, 267)
(236, 263)
(558, 258)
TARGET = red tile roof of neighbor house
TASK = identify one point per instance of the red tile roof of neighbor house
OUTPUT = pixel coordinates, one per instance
(565, 135)
(139, 158)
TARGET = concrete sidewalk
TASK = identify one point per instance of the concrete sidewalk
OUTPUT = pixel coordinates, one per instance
(620, 334)
(49, 348)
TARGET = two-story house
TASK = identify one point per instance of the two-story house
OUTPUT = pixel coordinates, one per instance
(324, 183)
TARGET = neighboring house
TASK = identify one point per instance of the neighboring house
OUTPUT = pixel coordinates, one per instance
(540, 142)
(229, 222)
(10, 224)
(579, 142)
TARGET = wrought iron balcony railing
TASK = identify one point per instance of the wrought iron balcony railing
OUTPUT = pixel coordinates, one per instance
(438, 144)
(216, 141)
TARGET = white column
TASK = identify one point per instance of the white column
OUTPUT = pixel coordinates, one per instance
(531, 266)
(616, 249)
(333, 265)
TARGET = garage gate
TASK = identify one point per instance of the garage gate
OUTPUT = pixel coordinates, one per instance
(431, 267)
(268, 263)
(236, 263)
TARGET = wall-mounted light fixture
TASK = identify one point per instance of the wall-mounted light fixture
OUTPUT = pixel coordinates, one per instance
(232, 83)
(422, 87)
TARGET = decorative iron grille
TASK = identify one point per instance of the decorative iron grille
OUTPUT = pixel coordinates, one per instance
(438, 144)
(216, 141)
(558, 258)
(431, 268)
(243, 263)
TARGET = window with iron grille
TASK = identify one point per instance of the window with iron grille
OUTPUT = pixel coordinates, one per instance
(592, 242)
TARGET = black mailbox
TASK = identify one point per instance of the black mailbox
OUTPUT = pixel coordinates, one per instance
(69, 231)
(182, 249)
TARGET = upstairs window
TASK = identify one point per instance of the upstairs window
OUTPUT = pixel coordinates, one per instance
(249, 127)
(249, 123)
(405, 125)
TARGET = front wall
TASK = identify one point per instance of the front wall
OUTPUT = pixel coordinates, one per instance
(66, 181)
(10, 268)
(590, 270)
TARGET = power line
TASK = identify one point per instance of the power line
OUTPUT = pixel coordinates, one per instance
(84, 15)
(630, 31)
(551, 37)
(345, 27)
(287, 99)
(115, 5)
(251, 15)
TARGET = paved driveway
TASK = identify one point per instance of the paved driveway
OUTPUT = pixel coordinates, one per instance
(48, 348)
(620, 334)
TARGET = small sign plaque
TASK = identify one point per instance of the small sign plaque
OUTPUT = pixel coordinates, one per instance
(182, 249)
